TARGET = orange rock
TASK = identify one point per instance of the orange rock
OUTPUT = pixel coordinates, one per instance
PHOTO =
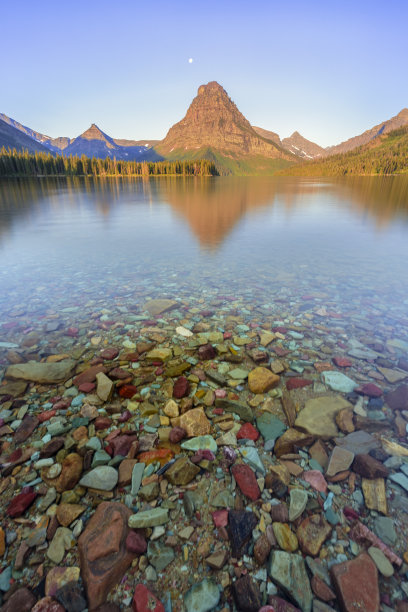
(261, 380)
(70, 473)
(195, 423)
(163, 455)
(344, 420)
(80, 433)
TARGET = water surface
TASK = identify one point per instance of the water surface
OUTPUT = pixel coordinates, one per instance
(283, 246)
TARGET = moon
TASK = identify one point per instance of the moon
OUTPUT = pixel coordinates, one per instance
(190, 60)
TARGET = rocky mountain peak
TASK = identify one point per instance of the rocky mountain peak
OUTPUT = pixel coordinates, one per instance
(213, 120)
(95, 133)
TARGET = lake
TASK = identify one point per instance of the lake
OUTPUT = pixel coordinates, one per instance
(281, 246)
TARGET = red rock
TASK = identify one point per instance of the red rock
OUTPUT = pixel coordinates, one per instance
(220, 518)
(51, 448)
(121, 444)
(70, 474)
(145, 601)
(321, 590)
(280, 605)
(46, 415)
(136, 543)
(369, 389)
(21, 502)
(316, 480)
(86, 387)
(127, 391)
(48, 604)
(247, 432)
(102, 423)
(109, 353)
(297, 383)
(177, 434)
(398, 399)
(24, 431)
(342, 362)
(207, 352)
(63, 404)
(246, 480)
(356, 584)
(103, 555)
(368, 467)
(181, 387)
(350, 514)
(21, 600)
(89, 375)
(72, 332)
(119, 374)
(362, 535)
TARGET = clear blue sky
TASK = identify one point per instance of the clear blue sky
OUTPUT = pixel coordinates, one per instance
(327, 68)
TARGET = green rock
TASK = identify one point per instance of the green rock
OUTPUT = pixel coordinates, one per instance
(270, 426)
(200, 443)
(289, 573)
(244, 412)
(202, 597)
(338, 381)
(149, 518)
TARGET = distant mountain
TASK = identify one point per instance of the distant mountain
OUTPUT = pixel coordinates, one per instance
(387, 153)
(385, 127)
(95, 143)
(122, 142)
(53, 144)
(214, 127)
(300, 146)
(13, 138)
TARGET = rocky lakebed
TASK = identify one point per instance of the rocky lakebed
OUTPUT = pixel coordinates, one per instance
(208, 454)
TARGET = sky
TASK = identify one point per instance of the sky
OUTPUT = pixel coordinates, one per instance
(329, 69)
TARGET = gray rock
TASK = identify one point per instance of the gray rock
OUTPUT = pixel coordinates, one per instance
(384, 528)
(62, 541)
(298, 501)
(358, 442)
(202, 597)
(159, 555)
(244, 412)
(103, 478)
(338, 381)
(289, 573)
(400, 479)
(137, 475)
(42, 372)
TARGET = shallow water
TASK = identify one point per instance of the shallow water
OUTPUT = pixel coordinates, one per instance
(269, 243)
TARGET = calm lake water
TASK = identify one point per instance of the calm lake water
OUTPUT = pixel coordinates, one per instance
(282, 246)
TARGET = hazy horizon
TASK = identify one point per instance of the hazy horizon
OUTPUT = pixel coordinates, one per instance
(328, 72)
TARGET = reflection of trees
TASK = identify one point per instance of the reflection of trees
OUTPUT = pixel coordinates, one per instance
(211, 206)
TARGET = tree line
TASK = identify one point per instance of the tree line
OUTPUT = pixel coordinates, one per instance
(386, 154)
(23, 163)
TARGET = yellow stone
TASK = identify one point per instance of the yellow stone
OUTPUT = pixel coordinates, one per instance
(171, 409)
(67, 513)
(266, 337)
(164, 420)
(282, 472)
(56, 358)
(164, 434)
(195, 423)
(374, 494)
(156, 307)
(285, 537)
(160, 354)
(392, 448)
(261, 380)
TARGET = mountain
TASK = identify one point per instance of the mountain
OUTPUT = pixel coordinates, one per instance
(52, 144)
(387, 153)
(385, 127)
(268, 135)
(13, 138)
(122, 142)
(95, 143)
(300, 146)
(214, 127)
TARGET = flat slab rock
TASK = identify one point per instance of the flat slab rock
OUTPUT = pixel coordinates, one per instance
(102, 551)
(356, 584)
(318, 415)
(42, 372)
